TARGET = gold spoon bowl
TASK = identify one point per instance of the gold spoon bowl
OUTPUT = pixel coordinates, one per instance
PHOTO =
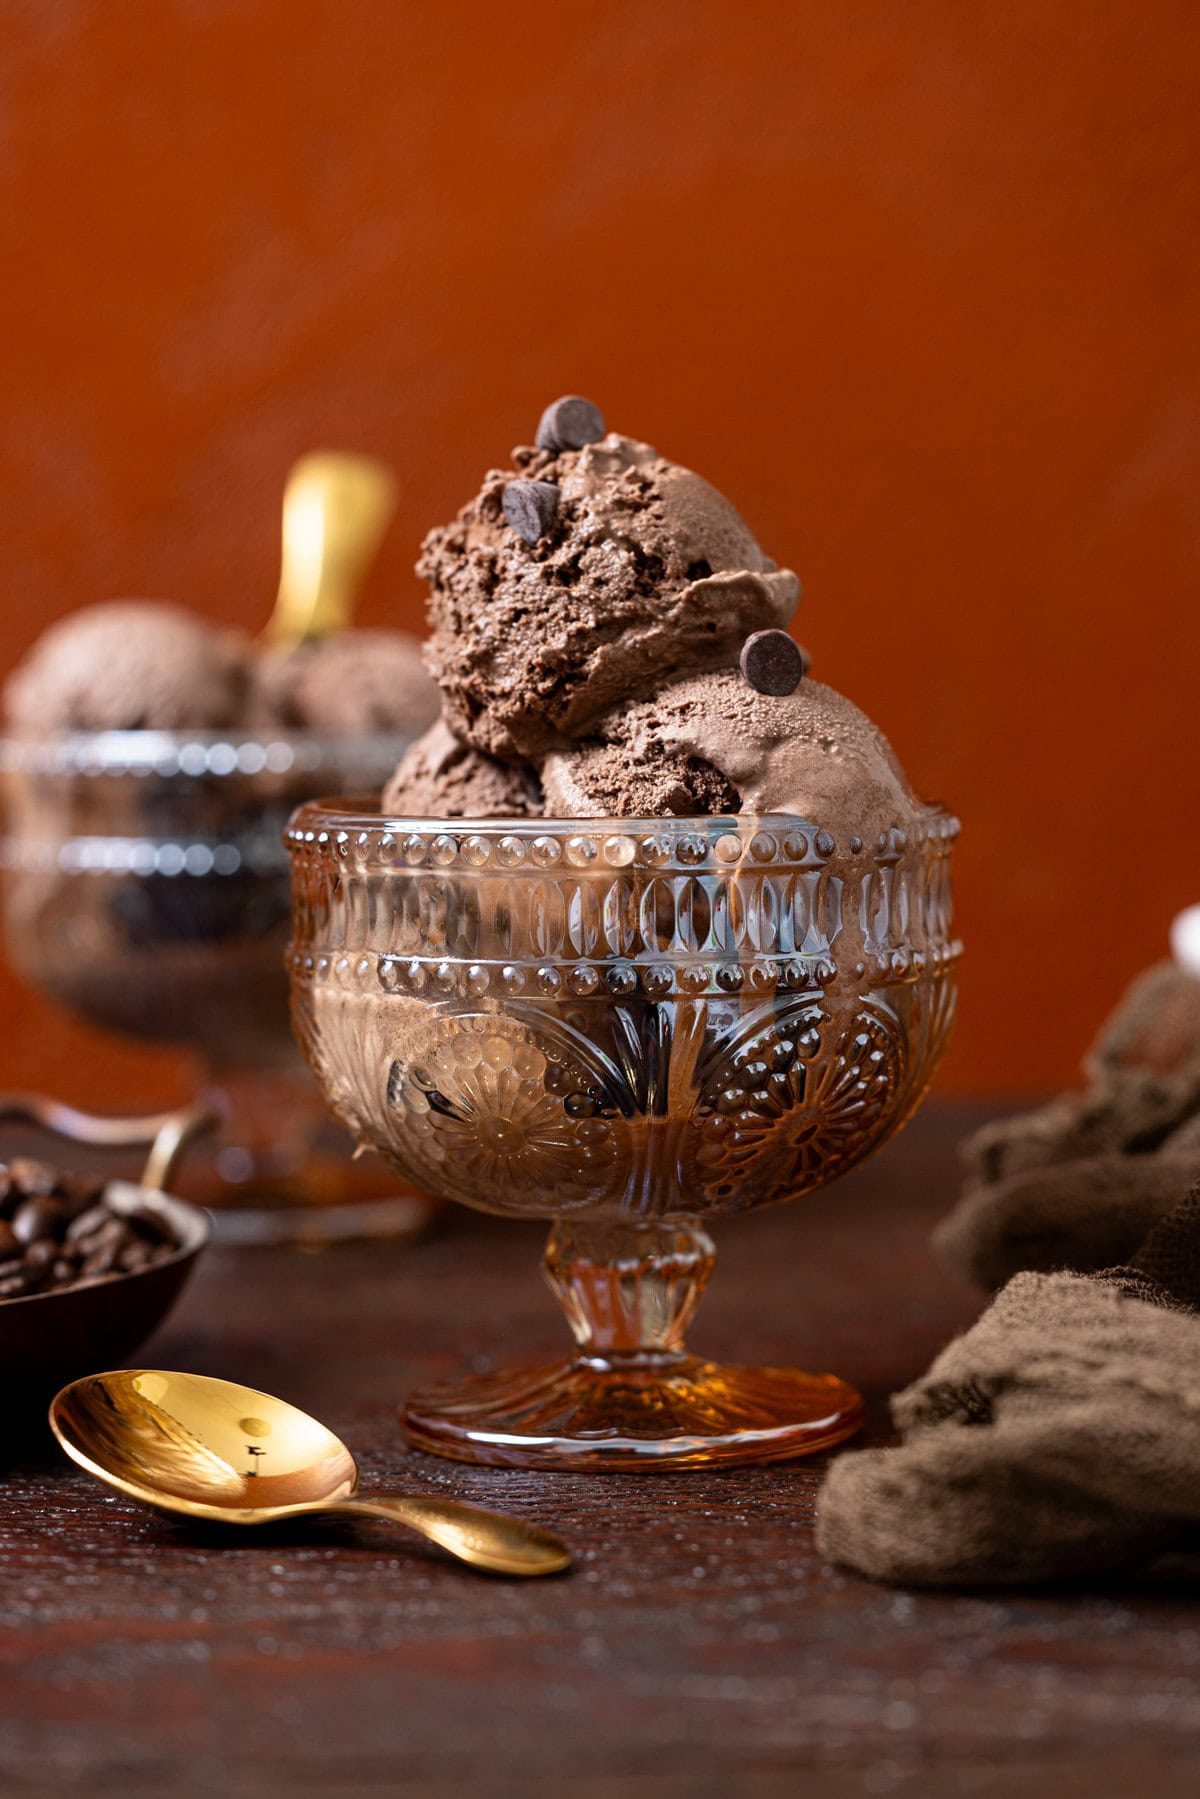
(205, 1448)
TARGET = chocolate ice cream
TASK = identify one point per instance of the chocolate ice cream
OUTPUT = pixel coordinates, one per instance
(439, 777)
(125, 666)
(349, 685)
(713, 743)
(609, 642)
(581, 575)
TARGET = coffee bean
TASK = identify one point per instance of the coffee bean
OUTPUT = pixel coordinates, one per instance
(529, 507)
(135, 1256)
(568, 424)
(150, 1226)
(62, 1230)
(78, 1192)
(773, 663)
(35, 1179)
(40, 1217)
(92, 1220)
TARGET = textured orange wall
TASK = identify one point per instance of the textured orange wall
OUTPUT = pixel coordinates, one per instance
(917, 283)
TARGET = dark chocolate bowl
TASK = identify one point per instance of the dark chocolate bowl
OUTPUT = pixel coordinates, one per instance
(629, 1027)
(146, 891)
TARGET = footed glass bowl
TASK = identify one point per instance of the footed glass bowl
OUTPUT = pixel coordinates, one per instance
(629, 1027)
(146, 890)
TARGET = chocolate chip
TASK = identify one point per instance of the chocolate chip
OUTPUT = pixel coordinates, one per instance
(773, 663)
(529, 507)
(568, 424)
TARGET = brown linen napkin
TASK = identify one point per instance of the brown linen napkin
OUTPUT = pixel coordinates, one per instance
(1060, 1435)
(1079, 1182)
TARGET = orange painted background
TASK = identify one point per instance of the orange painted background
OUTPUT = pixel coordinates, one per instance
(917, 283)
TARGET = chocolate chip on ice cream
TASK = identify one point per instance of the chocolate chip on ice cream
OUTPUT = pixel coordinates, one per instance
(648, 574)
(773, 662)
(529, 507)
(568, 424)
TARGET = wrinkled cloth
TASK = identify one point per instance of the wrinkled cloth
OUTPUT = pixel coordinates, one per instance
(1078, 1183)
(1059, 1436)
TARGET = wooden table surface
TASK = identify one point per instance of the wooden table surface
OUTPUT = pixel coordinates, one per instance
(699, 1648)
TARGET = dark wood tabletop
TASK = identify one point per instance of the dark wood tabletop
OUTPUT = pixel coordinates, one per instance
(699, 1647)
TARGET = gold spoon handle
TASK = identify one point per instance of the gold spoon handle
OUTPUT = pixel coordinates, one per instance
(336, 508)
(488, 1540)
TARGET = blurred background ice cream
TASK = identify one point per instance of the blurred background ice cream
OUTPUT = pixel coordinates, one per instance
(129, 665)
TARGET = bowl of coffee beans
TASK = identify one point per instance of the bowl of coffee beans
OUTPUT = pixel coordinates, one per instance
(89, 1266)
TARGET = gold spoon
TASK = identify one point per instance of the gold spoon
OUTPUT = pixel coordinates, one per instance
(211, 1449)
(336, 508)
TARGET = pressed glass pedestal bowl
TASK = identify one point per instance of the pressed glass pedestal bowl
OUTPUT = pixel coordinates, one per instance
(146, 890)
(629, 1028)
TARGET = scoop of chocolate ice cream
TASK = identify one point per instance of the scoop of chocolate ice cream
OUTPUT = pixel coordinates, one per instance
(439, 777)
(579, 577)
(128, 665)
(713, 743)
(347, 685)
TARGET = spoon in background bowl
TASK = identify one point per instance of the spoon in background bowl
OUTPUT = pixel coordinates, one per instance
(336, 509)
(211, 1449)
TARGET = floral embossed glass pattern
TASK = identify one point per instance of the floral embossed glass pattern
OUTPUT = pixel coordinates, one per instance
(628, 1027)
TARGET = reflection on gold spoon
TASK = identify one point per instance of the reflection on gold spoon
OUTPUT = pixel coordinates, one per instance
(210, 1449)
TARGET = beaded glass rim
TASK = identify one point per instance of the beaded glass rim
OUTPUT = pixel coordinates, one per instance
(353, 831)
(196, 753)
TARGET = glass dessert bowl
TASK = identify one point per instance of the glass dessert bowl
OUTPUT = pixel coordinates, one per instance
(629, 1028)
(146, 891)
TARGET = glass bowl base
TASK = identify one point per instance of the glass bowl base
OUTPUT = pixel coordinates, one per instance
(590, 1416)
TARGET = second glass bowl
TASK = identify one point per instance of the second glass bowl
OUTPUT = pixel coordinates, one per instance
(146, 890)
